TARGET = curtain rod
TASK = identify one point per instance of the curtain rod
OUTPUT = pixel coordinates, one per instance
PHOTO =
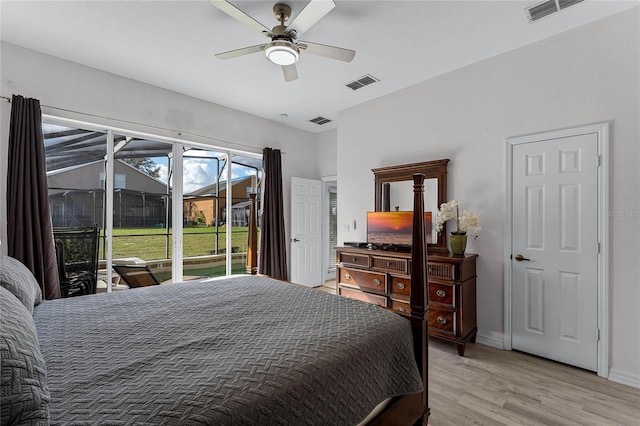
(143, 125)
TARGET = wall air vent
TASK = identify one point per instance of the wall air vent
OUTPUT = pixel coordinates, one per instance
(365, 80)
(546, 8)
(319, 120)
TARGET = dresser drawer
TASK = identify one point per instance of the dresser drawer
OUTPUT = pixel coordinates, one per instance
(363, 279)
(400, 285)
(400, 307)
(445, 271)
(441, 320)
(384, 278)
(354, 259)
(389, 264)
(441, 293)
(364, 297)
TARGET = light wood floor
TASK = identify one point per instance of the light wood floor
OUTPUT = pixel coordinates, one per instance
(489, 386)
(492, 387)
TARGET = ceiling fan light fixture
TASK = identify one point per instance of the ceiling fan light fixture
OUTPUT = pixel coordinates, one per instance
(282, 52)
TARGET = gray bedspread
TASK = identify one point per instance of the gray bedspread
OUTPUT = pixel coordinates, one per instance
(243, 350)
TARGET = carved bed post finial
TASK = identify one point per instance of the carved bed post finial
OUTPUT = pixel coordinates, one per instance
(419, 295)
(252, 243)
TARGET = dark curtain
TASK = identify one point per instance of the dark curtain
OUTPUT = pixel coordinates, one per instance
(29, 230)
(273, 250)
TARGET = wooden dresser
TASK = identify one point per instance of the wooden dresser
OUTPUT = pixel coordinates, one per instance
(383, 278)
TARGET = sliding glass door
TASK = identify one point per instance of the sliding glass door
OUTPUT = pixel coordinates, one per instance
(216, 211)
(134, 177)
(142, 211)
(204, 233)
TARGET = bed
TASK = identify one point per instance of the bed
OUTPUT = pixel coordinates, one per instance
(239, 350)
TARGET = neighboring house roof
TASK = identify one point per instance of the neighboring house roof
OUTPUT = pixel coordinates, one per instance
(241, 204)
(86, 177)
(71, 168)
(135, 169)
(212, 189)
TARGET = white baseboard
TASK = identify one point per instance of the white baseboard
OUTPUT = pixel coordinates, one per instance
(624, 378)
(489, 340)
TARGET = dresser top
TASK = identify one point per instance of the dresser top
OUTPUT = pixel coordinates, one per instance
(449, 257)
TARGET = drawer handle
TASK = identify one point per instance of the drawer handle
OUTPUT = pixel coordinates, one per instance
(377, 282)
(347, 276)
(389, 263)
(441, 293)
(441, 320)
(401, 309)
(355, 259)
(401, 286)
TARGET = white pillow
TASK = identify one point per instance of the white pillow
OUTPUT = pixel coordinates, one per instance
(19, 280)
(24, 395)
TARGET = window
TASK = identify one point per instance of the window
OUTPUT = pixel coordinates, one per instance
(141, 216)
(119, 181)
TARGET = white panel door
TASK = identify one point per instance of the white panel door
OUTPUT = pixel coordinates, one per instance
(306, 231)
(555, 249)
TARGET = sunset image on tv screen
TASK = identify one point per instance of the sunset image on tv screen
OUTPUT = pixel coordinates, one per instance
(393, 227)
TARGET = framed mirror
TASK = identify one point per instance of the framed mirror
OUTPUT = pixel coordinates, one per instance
(394, 192)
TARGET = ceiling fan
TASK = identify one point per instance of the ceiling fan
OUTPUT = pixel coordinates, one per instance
(284, 48)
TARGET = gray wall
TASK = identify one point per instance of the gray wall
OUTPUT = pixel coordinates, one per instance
(327, 152)
(584, 76)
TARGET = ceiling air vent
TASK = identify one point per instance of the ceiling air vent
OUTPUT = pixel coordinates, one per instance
(365, 80)
(566, 3)
(546, 8)
(320, 120)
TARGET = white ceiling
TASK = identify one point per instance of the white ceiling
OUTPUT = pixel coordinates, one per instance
(171, 44)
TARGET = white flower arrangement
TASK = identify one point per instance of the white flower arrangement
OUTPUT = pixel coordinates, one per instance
(464, 221)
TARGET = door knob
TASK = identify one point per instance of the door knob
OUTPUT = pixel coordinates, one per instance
(295, 240)
(520, 258)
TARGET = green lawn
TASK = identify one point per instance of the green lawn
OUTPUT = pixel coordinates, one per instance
(150, 243)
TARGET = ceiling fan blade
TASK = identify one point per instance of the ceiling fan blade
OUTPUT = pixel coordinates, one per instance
(239, 15)
(290, 72)
(312, 13)
(332, 52)
(240, 52)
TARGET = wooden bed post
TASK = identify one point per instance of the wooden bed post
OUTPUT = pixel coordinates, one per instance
(252, 244)
(413, 409)
(419, 295)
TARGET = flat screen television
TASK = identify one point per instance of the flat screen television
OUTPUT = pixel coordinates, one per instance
(394, 227)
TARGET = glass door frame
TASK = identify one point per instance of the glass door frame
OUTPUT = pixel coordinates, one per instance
(179, 145)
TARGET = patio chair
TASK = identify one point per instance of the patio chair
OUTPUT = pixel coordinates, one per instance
(136, 275)
(77, 256)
